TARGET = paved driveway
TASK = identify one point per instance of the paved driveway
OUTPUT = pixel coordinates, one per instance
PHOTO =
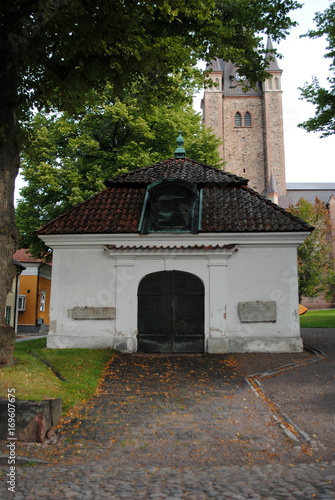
(190, 426)
(171, 410)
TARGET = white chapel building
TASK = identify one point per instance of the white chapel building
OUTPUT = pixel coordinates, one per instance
(176, 257)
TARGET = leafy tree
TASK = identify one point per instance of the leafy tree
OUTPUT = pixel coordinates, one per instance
(54, 52)
(322, 98)
(68, 158)
(316, 266)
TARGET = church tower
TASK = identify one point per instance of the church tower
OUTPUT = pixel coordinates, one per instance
(250, 124)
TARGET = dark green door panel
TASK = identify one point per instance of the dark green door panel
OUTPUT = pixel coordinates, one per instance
(171, 313)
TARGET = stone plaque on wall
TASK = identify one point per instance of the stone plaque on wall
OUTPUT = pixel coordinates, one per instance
(92, 313)
(257, 312)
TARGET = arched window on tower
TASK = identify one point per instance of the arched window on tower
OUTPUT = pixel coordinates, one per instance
(238, 120)
(277, 87)
(247, 119)
(217, 86)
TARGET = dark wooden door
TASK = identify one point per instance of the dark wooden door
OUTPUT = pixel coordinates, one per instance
(171, 313)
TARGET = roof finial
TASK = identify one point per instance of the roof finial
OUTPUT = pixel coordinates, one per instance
(180, 151)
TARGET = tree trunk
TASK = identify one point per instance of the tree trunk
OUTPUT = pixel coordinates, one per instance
(9, 165)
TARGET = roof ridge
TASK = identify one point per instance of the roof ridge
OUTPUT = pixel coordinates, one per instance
(118, 179)
(312, 186)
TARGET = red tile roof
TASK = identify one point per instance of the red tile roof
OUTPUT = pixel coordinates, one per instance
(23, 255)
(113, 210)
(228, 204)
(170, 247)
(243, 210)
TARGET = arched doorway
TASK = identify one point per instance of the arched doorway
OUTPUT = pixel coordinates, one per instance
(171, 313)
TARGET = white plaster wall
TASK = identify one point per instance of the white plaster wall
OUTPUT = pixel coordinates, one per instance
(262, 270)
(264, 274)
(31, 269)
(34, 269)
(81, 277)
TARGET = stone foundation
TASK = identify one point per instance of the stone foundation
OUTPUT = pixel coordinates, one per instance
(265, 344)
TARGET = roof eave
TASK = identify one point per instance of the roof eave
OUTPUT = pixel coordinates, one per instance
(273, 239)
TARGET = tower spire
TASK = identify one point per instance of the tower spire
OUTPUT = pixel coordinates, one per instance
(271, 190)
(273, 63)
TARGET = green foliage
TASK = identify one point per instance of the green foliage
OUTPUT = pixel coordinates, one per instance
(32, 379)
(323, 99)
(316, 267)
(318, 319)
(63, 49)
(67, 159)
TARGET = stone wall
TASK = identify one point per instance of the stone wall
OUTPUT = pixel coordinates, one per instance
(274, 138)
(320, 302)
(33, 419)
(251, 152)
(212, 109)
(243, 147)
(332, 220)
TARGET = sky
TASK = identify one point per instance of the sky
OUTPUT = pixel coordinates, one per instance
(308, 158)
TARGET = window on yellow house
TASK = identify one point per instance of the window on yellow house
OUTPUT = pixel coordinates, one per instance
(42, 300)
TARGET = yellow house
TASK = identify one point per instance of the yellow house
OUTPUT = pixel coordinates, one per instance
(34, 294)
(12, 301)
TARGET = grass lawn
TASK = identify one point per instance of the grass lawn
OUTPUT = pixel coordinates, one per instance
(318, 319)
(82, 370)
